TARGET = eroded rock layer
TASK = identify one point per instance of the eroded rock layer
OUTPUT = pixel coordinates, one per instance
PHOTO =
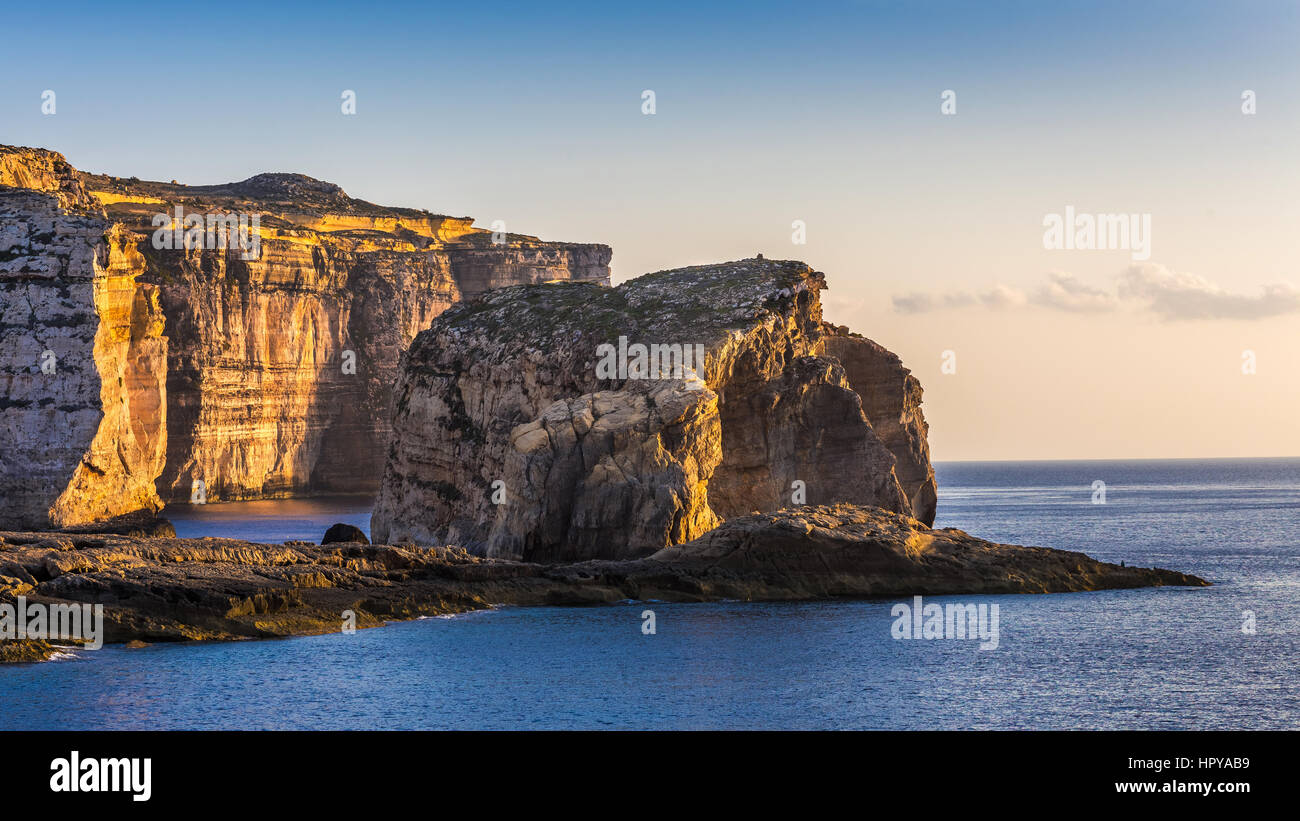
(279, 357)
(529, 424)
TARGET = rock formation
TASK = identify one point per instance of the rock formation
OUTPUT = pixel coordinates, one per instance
(278, 368)
(83, 361)
(191, 589)
(891, 398)
(573, 421)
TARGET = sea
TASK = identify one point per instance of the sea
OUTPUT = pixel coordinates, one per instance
(1222, 657)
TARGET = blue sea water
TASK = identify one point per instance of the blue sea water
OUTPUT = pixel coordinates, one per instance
(1160, 658)
(274, 521)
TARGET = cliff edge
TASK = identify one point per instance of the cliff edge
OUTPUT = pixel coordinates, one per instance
(83, 359)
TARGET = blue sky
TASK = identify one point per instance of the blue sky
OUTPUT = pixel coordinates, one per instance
(163, 93)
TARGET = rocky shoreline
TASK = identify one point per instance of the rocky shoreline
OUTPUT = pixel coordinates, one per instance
(166, 589)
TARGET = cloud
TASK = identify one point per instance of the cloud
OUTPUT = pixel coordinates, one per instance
(1000, 296)
(1175, 295)
(1065, 292)
(924, 303)
(1168, 294)
(1003, 297)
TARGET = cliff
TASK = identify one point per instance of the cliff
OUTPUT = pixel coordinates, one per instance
(279, 358)
(82, 357)
(194, 589)
(560, 423)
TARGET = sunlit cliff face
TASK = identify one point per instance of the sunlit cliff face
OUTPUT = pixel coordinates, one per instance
(254, 375)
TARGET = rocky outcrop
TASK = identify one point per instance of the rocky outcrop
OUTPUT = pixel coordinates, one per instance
(845, 550)
(891, 398)
(26, 652)
(278, 359)
(36, 169)
(572, 421)
(187, 589)
(83, 359)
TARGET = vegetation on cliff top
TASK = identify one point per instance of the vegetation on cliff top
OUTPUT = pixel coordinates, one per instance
(700, 304)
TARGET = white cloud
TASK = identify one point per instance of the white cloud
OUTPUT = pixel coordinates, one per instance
(1146, 287)
(1003, 296)
(1000, 296)
(1175, 295)
(1065, 292)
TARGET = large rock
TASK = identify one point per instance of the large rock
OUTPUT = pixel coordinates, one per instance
(509, 441)
(339, 533)
(267, 376)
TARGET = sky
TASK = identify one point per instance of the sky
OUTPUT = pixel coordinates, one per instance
(928, 225)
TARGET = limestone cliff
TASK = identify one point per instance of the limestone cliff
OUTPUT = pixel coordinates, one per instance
(281, 367)
(512, 436)
(279, 359)
(82, 356)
